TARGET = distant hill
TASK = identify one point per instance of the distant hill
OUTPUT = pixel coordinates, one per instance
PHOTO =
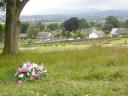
(101, 13)
(46, 18)
(112, 12)
(62, 15)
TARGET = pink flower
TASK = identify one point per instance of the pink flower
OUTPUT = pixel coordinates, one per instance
(33, 74)
(37, 75)
(29, 65)
(22, 69)
(19, 82)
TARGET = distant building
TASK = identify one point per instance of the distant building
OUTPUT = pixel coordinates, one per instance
(96, 34)
(86, 32)
(45, 36)
(92, 33)
(118, 32)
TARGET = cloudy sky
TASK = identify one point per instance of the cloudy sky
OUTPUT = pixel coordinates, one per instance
(52, 6)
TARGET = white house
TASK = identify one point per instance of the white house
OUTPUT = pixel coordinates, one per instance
(87, 31)
(114, 31)
(118, 31)
(96, 34)
(45, 36)
(92, 33)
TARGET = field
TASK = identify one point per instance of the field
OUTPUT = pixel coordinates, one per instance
(94, 71)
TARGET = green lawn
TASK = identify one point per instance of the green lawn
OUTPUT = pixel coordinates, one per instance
(119, 41)
(55, 48)
(93, 71)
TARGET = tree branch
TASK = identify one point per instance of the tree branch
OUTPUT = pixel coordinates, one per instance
(21, 4)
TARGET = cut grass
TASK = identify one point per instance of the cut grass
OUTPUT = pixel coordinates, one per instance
(88, 72)
(55, 47)
(120, 41)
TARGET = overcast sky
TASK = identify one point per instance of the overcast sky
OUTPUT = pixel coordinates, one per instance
(51, 6)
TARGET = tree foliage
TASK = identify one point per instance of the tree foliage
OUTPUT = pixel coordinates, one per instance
(83, 24)
(2, 4)
(71, 24)
(113, 21)
(32, 31)
(24, 27)
(126, 23)
(107, 28)
(41, 26)
(53, 26)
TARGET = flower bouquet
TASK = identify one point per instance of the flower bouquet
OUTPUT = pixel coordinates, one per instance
(30, 71)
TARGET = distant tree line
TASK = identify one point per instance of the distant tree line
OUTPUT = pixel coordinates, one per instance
(71, 28)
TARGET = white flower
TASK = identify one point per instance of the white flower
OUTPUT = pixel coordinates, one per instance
(28, 74)
(15, 74)
(29, 69)
(21, 76)
(45, 71)
(35, 65)
(24, 65)
(41, 67)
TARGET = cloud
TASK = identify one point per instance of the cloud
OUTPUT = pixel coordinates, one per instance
(36, 6)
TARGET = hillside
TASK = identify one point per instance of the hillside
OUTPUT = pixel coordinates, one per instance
(98, 71)
(80, 13)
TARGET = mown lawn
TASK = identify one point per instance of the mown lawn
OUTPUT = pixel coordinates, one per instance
(96, 71)
(119, 41)
(55, 47)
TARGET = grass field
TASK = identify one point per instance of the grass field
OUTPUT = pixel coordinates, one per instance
(55, 48)
(122, 40)
(96, 71)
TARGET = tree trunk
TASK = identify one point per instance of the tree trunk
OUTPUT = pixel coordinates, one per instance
(12, 26)
(10, 43)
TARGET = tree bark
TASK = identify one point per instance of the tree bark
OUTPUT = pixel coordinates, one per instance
(12, 26)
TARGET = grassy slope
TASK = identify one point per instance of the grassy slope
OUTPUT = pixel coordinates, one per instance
(55, 47)
(92, 72)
